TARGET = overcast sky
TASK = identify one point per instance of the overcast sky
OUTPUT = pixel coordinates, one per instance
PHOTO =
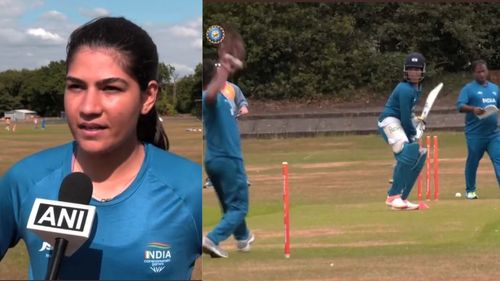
(35, 32)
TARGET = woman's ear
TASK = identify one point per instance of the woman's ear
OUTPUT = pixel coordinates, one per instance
(148, 97)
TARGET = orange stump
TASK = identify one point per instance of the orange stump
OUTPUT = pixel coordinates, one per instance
(419, 182)
(436, 169)
(428, 170)
(286, 209)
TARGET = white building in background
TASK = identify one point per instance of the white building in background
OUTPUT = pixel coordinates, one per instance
(20, 114)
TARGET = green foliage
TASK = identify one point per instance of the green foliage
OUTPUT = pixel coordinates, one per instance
(42, 90)
(10, 89)
(188, 89)
(165, 106)
(336, 50)
(178, 95)
(164, 103)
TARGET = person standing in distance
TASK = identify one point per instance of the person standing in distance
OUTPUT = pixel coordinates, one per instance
(148, 200)
(397, 125)
(481, 133)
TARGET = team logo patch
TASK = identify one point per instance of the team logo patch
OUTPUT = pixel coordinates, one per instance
(215, 34)
(479, 93)
(157, 255)
(494, 93)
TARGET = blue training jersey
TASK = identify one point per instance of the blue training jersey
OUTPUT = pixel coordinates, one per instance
(152, 230)
(222, 134)
(235, 97)
(240, 100)
(401, 104)
(477, 95)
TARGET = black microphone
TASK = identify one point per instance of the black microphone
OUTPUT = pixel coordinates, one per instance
(64, 224)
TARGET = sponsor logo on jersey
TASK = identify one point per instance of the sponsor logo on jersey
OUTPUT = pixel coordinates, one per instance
(46, 248)
(157, 255)
(489, 100)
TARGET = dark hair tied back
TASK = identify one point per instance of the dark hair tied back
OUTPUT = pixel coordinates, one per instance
(138, 55)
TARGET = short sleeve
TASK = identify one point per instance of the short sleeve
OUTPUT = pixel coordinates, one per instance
(240, 99)
(497, 98)
(463, 98)
(9, 235)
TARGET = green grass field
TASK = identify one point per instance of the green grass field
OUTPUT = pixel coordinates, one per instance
(26, 140)
(340, 226)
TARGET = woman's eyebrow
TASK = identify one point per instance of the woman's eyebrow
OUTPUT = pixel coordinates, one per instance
(74, 80)
(99, 83)
(112, 80)
(106, 81)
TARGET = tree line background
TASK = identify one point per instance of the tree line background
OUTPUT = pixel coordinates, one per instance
(42, 89)
(298, 51)
(347, 51)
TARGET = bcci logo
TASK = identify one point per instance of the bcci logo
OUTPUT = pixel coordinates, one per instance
(215, 34)
(157, 255)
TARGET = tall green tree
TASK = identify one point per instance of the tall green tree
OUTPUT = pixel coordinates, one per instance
(43, 89)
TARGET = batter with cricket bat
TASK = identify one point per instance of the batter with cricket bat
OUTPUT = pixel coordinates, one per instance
(479, 101)
(397, 124)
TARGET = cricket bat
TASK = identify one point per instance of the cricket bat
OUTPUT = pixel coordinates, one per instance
(431, 98)
(488, 111)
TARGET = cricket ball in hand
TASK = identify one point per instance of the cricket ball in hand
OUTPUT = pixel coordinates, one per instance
(234, 60)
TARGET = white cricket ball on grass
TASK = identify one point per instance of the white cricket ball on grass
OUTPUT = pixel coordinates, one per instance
(458, 194)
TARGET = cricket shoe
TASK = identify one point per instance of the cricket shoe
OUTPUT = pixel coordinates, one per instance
(471, 195)
(390, 199)
(398, 204)
(411, 206)
(244, 245)
(213, 250)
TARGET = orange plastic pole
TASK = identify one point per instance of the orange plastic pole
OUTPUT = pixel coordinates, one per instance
(419, 182)
(428, 170)
(436, 169)
(286, 209)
